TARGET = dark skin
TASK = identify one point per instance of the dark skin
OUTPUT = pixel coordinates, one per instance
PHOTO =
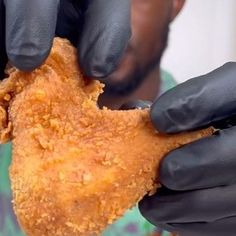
(138, 73)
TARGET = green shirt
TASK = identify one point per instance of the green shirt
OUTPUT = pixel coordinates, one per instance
(132, 223)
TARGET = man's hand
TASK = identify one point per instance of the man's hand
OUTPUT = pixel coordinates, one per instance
(99, 28)
(199, 193)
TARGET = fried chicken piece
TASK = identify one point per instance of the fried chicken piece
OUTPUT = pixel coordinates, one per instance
(76, 168)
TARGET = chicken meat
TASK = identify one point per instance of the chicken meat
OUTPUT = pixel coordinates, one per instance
(76, 168)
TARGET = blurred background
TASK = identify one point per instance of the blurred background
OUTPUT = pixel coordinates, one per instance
(202, 38)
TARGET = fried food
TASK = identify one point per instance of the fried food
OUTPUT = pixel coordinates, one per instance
(76, 168)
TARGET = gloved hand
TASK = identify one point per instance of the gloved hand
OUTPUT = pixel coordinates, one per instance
(100, 29)
(199, 193)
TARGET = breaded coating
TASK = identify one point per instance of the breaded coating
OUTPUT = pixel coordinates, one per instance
(76, 168)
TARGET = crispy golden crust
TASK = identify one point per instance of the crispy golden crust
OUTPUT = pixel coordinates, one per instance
(75, 168)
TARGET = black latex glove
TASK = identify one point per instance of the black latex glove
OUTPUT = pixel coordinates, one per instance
(100, 29)
(199, 197)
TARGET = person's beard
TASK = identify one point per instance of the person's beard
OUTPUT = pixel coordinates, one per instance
(137, 77)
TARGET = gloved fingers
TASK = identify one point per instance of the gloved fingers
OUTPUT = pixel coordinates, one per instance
(30, 29)
(70, 20)
(226, 226)
(138, 104)
(104, 37)
(208, 162)
(199, 102)
(3, 55)
(206, 205)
